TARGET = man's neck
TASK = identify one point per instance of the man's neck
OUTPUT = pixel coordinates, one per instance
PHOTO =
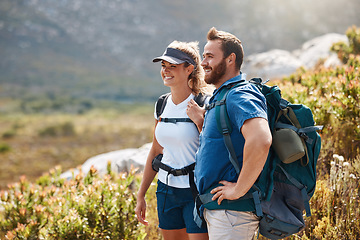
(226, 77)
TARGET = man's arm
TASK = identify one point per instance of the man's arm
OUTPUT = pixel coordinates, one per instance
(257, 143)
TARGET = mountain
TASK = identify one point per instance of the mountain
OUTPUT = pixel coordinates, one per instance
(43, 57)
(102, 49)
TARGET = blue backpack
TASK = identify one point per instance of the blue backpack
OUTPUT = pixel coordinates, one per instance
(287, 182)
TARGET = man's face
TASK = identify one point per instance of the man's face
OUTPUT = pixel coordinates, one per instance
(214, 63)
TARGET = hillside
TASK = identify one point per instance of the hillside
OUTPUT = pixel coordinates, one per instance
(44, 60)
(92, 49)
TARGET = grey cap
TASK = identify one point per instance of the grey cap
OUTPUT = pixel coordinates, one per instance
(175, 56)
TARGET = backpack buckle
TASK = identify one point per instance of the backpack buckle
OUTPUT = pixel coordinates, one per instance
(304, 136)
(219, 103)
(178, 172)
(225, 131)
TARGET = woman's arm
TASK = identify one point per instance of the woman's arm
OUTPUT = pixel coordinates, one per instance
(148, 176)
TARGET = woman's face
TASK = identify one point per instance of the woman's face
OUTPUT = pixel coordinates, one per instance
(175, 74)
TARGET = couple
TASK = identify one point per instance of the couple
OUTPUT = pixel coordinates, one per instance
(179, 144)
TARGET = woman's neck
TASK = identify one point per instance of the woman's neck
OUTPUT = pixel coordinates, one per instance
(178, 95)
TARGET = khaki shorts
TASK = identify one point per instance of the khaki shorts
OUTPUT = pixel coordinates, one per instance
(231, 225)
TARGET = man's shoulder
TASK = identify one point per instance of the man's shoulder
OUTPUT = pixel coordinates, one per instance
(243, 90)
(246, 97)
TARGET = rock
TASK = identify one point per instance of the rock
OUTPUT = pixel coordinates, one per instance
(318, 48)
(276, 64)
(121, 161)
(273, 64)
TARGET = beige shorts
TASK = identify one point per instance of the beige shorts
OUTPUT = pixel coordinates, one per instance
(231, 225)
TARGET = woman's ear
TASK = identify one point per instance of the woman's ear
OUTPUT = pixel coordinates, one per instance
(190, 69)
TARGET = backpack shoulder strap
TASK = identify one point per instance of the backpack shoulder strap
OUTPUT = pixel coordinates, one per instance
(200, 99)
(160, 104)
(223, 122)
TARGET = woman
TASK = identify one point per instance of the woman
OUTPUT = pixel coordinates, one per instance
(177, 141)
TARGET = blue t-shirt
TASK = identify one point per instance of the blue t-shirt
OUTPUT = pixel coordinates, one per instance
(212, 158)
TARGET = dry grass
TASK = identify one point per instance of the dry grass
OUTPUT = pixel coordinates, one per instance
(33, 144)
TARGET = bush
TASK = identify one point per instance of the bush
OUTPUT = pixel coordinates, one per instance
(336, 203)
(63, 129)
(4, 148)
(345, 51)
(9, 134)
(85, 207)
(334, 97)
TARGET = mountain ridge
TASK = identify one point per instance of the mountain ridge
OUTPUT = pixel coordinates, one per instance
(103, 49)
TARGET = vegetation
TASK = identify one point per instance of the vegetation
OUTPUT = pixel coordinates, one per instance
(86, 207)
(31, 144)
(334, 97)
(101, 207)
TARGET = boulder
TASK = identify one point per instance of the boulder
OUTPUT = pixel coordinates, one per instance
(121, 161)
(273, 64)
(319, 48)
(276, 64)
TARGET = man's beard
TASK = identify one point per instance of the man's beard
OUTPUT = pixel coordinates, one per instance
(217, 72)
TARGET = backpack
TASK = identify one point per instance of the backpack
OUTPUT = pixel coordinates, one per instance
(288, 179)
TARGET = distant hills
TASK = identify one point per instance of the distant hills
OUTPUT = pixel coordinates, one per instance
(102, 49)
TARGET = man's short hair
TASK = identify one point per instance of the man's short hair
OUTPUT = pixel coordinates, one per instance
(230, 44)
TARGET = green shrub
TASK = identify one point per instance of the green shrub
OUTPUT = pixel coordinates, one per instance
(344, 50)
(336, 203)
(85, 207)
(63, 129)
(334, 97)
(9, 134)
(4, 148)
(53, 103)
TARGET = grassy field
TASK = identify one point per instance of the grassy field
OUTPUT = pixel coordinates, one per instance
(31, 144)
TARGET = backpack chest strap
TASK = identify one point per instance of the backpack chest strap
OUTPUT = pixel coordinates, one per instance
(214, 104)
(174, 120)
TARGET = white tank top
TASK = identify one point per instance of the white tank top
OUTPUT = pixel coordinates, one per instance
(179, 140)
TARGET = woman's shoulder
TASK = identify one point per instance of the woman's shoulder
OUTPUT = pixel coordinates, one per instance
(160, 104)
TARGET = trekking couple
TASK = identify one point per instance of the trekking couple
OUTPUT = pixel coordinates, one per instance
(186, 133)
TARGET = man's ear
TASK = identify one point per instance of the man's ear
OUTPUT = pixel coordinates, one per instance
(231, 58)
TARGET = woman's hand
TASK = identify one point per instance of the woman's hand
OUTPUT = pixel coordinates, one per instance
(140, 210)
(196, 113)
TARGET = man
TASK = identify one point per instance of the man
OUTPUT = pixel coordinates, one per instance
(251, 137)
